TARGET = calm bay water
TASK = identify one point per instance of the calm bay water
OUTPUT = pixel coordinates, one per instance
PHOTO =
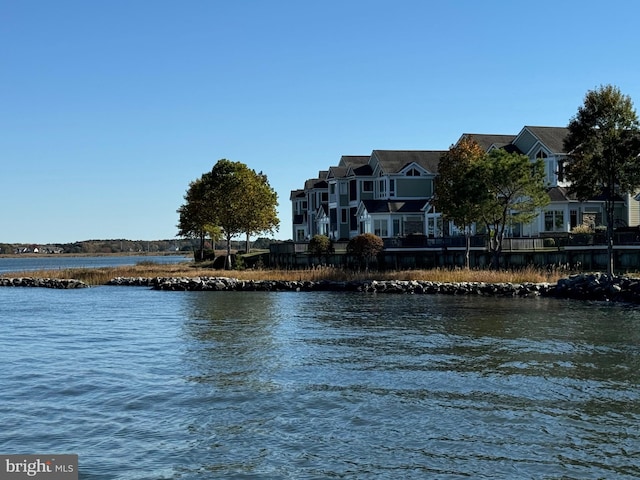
(182, 385)
(56, 262)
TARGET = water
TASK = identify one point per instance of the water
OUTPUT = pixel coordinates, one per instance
(262, 385)
(56, 262)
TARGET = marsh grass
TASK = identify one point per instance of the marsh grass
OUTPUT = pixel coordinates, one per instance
(100, 276)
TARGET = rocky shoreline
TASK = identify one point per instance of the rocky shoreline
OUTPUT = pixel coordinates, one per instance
(67, 283)
(586, 286)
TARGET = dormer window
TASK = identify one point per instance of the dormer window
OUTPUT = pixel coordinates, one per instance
(414, 172)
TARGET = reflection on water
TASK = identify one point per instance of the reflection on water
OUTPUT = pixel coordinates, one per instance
(407, 387)
(234, 330)
(188, 385)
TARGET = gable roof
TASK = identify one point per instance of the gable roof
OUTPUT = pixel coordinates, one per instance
(393, 161)
(486, 141)
(296, 194)
(323, 210)
(315, 183)
(560, 194)
(353, 160)
(337, 172)
(361, 170)
(551, 137)
(394, 206)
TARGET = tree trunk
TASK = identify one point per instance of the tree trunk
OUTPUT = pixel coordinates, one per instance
(496, 249)
(201, 246)
(227, 260)
(467, 250)
(609, 206)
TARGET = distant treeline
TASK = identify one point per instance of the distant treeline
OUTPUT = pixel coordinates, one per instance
(123, 246)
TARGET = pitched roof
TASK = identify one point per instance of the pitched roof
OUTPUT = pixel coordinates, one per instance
(296, 194)
(323, 209)
(486, 141)
(394, 206)
(551, 137)
(353, 160)
(392, 161)
(315, 183)
(362, 170)
(337, 172)
(560, 194)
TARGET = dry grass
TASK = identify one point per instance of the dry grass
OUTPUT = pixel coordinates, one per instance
(100, 276)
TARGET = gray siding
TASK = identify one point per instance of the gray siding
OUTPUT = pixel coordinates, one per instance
(413, 187)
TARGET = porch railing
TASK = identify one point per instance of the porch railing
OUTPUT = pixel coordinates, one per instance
(478, 242)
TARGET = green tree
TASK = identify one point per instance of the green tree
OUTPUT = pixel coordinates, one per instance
(229, 200)
(458, 195)
(263, 243)
(365, 247)
(516, 193)
(603, 146)
(194, 214)
(225, 185)
(320, 246)
(259, 205)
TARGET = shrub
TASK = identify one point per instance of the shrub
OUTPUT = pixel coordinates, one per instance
(582, 229)
(319, 246)
(365, 247)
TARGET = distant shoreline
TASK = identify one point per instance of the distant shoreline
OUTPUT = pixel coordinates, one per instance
(117, 254)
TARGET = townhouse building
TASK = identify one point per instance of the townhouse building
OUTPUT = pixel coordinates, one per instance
(390, 193)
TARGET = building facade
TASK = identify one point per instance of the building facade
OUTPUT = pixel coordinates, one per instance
(390, 193)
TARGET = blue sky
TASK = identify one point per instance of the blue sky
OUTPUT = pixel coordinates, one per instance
(109, 109)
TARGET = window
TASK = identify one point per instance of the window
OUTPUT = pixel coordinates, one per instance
(324, 196)
(413, 173)
(332, 189)
(380, 228)
(343, 215)
(392, 187)
(333, 219)
(367, 186)
(396, 227)
(343, 188)
(382, 188)
(353, 190)
(554, 221)
(541, 154)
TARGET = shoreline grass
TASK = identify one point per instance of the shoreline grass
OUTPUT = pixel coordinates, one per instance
(101, 275)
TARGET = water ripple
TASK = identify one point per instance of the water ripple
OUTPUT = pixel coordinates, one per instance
(185, 385)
